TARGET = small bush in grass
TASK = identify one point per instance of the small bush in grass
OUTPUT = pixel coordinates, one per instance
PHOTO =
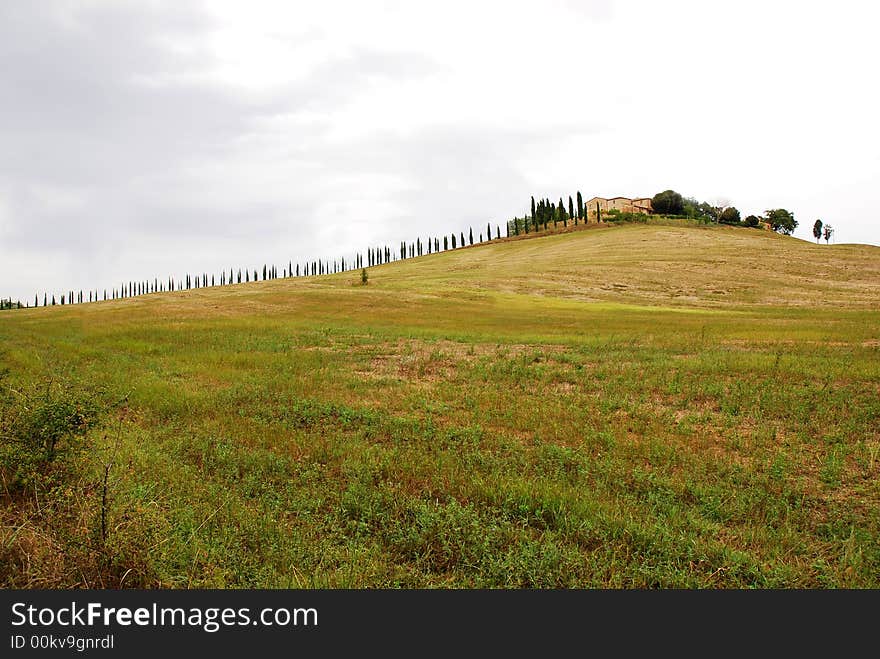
(41, 429)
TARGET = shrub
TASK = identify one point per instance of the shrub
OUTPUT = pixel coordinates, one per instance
(40, 429)
(614, 215)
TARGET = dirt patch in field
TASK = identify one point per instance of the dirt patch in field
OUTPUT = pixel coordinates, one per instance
(421, 361)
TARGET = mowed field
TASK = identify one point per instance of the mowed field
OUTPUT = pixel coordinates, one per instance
(624, 406)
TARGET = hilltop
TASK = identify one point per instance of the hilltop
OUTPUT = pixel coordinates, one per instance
(645, 405)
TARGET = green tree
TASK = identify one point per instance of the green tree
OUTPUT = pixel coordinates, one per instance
(781, 220)
(570, 207)
(668, 202)
(752, 221)
(580, 207)
(729, 215)
(817, 230)
(364, 277)
(533, 208)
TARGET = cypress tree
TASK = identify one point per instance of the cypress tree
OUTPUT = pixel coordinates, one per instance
(533, 208)
(462, 239)
(580, 206)
(570, 207)
(489, 230)
(453, 241)
(497, 232)
(445, 243)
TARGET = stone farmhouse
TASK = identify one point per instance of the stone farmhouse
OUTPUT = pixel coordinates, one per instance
(623, 204)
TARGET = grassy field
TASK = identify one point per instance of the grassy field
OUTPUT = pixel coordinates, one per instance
(625, 406)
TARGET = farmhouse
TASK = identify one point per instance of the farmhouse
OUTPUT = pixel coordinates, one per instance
(622, 204)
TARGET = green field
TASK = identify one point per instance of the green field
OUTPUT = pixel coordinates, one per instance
(624, 406)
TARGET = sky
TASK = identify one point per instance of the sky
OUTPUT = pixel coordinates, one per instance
(142, 139)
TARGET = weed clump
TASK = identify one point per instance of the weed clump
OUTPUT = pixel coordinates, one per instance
(41, 431)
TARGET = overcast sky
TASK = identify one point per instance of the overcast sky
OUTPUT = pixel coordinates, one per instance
(153, 138)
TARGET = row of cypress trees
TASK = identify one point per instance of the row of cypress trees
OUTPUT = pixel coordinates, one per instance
(371, 257)
(543, 214)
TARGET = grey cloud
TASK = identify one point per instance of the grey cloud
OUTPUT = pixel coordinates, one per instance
(111, 140)
(96, 107)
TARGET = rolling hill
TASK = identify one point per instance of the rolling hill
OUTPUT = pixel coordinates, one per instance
(626, 406)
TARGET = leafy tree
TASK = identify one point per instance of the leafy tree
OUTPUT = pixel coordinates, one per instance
(781, 220)
(752, 221)
(817, 230)
(668, 202)
(729, 215)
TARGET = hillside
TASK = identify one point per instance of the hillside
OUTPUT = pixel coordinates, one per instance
(635, 406)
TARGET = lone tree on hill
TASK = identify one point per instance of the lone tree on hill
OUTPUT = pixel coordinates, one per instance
(668, 202)
(781, 220)
(817, 230)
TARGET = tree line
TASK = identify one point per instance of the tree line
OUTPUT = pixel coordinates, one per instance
(544, 215)
(670, 202)
(370, 257)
